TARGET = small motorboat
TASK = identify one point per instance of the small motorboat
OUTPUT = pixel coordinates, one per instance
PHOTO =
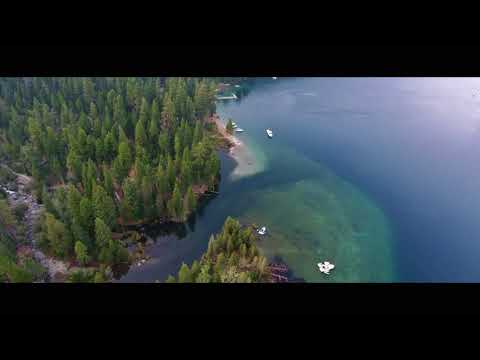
(274, 78)
(325, 267)
(269, 133)
(239, 130)
(262, 231)
(234, 125)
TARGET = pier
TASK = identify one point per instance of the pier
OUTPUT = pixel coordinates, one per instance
(231, 97)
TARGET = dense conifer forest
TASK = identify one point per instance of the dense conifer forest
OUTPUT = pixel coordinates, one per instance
(104, 153)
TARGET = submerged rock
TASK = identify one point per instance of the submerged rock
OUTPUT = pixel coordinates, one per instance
(149, 242)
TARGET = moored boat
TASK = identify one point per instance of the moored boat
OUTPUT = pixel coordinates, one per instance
(325, 267)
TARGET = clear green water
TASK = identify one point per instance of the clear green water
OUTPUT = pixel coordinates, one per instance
(312, 215)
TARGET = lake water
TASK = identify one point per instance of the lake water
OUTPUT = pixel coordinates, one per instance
(377, 175)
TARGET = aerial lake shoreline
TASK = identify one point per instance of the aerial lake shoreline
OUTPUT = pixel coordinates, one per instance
(233, 159)
(377, 175)
(250, 191)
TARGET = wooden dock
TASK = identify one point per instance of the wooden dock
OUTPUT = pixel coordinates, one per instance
(231, 97)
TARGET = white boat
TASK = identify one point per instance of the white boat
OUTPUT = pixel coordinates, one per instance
(269, 133)
(234, 125)
(239, 130)
(274, 78)
(325, 267)
(262, 231)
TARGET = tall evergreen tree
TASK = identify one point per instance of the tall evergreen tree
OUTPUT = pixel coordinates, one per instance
(170, 173)
(103, 234)
(132, 199)
(110, 147)
(162, 181)
(148, 198)
(81, 253)
(140, 135)
(144, 111)
(99, 150)
(174, 206)
(186, 170)
(154, 120)
(123, 162)
(229, 127)
(168, 114)
(197, 133)
(190, 201)
(163, 143)
(55, 234)
(184, 275)
(87, 215)
(104, 207)
(108, 181)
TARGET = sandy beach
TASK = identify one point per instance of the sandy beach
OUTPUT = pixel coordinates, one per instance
(246, 160)
(223, 131)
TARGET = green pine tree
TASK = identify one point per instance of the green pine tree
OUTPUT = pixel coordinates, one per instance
(229, 127)
(197, 133)
(140, 135)
(170, 173)
(175, 208)
(123, 162)
(204, 275)
(184, 275)
(131, 199)
(190, 202)
(154, 119)
(81, 253)
(170, 279)
(108, 182)
(103, 235)
(104, 207)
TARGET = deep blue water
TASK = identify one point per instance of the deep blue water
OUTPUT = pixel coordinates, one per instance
(413, 145)
(409, 146)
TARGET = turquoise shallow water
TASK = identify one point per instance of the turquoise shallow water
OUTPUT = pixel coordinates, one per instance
(311, 214)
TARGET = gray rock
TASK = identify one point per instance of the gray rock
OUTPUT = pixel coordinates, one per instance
(149, 242)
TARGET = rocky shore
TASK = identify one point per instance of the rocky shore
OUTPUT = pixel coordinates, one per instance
(232, 140)
(17, 194)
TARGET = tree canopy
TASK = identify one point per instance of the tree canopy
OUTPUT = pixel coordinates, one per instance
(231, 256)
(108, 151)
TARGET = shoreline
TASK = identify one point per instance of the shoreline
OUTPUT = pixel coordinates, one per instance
(232, 140)
(233, 144)
(54, 268)
(246, 160)
(230, 144)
